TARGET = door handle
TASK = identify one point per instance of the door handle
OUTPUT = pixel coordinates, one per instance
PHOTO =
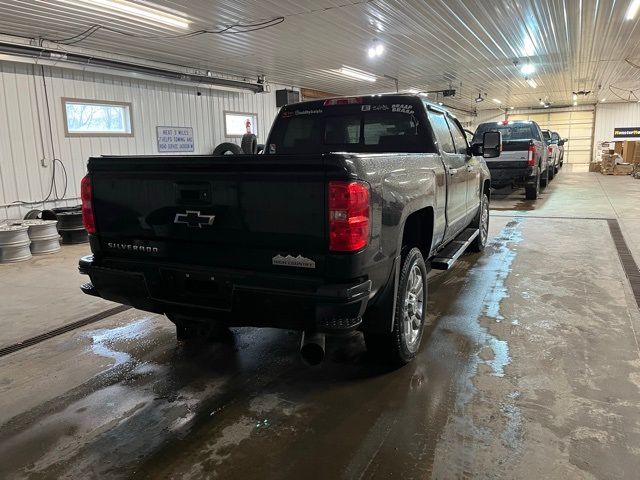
(453, 171)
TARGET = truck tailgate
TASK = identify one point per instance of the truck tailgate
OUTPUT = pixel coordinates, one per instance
(514, 155)
(239, 212)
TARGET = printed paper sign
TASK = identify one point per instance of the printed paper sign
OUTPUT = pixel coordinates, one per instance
(175, 139)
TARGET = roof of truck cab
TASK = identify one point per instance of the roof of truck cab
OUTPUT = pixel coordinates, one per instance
(399, 97)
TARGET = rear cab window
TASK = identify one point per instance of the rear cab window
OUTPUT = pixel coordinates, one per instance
(509, 131)
(371, 124)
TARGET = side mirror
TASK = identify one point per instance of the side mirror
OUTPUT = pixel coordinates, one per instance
(560, 143)
(491, 144)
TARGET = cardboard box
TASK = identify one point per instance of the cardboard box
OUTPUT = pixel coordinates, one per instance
(623, 169)
(617, 148)
(609, 162)
(628, 151)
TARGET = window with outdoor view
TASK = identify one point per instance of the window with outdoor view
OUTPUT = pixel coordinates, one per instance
(97, 118)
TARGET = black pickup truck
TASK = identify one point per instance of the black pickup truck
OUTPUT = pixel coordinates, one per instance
(332, 229)
(524, 161)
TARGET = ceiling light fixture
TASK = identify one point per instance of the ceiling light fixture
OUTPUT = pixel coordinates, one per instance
(357, 74)
(575, 103)
(479, 98)
(528, 68)
(632, 10)
(575, 97)
(511, 108)
(603, 100)
(532, 83)
(497, 101)
(136, 10)
(376, 49)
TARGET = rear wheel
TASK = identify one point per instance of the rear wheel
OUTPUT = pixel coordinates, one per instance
(401, 345)
(532, 191)
(552, 172)
(544, 180)
(481, 222)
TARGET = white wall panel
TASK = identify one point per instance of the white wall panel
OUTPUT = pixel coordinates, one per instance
(23, 116)
(612, 115)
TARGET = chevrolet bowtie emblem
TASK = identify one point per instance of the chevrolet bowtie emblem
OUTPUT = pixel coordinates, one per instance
(194, 218)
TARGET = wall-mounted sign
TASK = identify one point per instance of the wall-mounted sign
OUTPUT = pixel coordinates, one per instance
(175, 139)
(626, 132)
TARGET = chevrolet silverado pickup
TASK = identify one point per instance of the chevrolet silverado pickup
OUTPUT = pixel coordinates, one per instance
(523, 161)
(332, 229)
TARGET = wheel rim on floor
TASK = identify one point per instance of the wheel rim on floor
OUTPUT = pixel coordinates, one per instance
(413, 307)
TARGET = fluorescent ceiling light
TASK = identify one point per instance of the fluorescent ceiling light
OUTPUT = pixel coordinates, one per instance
(575, 103)
(136, 10)
(575, 97)
(632, 11)
(603, 100)
(528, 68)
(357, 74)
(497, 101)
(532, 83)
(511, 108)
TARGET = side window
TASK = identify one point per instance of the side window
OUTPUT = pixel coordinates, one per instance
(459, 138)
(440, 128)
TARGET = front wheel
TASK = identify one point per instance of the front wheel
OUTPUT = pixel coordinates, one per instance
(401, 345)
(552, 172)
(481, 222)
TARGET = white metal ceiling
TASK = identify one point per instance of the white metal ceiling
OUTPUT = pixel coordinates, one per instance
(468, 45)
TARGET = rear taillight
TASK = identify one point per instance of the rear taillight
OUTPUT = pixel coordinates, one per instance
(348, 216)
(86, 194)
(532, 156)
(550, 150)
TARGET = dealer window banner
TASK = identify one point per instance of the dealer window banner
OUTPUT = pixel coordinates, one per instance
(175, 139)
(626, 132)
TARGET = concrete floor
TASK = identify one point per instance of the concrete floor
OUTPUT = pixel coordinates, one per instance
(530, 369)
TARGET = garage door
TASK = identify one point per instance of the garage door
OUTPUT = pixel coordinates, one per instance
(577, 126)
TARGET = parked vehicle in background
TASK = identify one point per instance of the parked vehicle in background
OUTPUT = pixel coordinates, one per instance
(553, 153)
(300, 237)
(523, 162)
(555, 137)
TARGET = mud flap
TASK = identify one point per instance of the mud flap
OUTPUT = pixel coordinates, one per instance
(379, 316)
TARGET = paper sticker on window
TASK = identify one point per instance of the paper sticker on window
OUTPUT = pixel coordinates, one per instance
(272, 148)
(366, 108)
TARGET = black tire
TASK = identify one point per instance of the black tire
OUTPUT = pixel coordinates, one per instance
(401, 345)
(531, 192)
(552, 172)
(227, 148)
(544, 181)
(481, 223)
(249, 144)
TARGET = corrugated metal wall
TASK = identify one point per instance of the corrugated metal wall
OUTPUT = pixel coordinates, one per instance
(613, 115)
(24, 130)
